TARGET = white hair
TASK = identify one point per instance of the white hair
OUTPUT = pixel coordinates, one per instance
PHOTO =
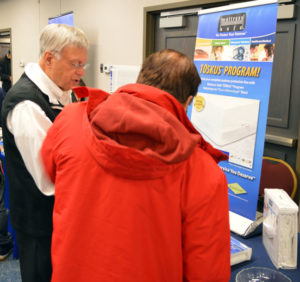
(54, 37)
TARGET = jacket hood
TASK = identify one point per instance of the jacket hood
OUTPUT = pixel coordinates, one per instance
(139, 131)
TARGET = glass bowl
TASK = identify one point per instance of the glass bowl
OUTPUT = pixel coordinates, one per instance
(261, 274)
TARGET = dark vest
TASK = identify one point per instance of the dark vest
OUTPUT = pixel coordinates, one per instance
(30, 210)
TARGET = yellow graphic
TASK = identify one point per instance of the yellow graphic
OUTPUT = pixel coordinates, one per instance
(202, 42)
(199, 103)
(236, 188)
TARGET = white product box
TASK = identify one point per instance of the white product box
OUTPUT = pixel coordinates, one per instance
(239, 252)
(280, 228)
(225, 119)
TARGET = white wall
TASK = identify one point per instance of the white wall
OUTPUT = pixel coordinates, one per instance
(23, 18)
(113, 27)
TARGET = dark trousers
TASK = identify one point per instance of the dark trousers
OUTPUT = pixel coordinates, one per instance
(2, 188)
(35, 257)
(6, 242)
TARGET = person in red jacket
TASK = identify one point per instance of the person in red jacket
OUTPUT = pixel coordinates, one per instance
(139, 196)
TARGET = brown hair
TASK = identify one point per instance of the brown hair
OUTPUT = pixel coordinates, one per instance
(171, 71)
(270, 49)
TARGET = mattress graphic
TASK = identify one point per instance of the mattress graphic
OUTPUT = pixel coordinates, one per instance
(229, 124)
(225, 119)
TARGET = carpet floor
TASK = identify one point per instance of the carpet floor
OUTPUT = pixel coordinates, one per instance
(10, 270)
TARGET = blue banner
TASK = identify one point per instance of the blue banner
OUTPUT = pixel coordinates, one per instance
(234, 54)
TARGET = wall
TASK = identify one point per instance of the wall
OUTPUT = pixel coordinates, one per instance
(23, 18)
(114, 29)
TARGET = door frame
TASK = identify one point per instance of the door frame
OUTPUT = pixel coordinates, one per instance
(150, 12)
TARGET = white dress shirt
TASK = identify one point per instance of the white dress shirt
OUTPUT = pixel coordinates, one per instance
(29, 125)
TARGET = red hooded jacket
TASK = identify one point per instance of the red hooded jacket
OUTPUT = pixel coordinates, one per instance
(138, 193)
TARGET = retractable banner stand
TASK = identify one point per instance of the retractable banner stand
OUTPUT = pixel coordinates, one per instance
(234, 56)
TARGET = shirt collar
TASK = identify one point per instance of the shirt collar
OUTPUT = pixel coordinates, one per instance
(47, 86)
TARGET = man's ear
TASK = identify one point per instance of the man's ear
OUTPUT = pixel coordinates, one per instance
(48, 57)
(188, 102)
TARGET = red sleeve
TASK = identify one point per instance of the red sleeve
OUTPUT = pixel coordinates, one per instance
(206, 231)
(47, 153)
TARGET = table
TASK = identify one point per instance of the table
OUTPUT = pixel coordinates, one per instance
(261, 258)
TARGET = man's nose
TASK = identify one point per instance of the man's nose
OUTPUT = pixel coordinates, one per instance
(80, 71)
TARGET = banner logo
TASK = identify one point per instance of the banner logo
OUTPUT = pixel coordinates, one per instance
(235, 22)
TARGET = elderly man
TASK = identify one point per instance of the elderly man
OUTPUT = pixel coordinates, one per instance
(28, 111)
(138, 192)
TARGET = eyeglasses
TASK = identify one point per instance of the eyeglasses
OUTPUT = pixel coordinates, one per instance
(78, 65)
(75, 66)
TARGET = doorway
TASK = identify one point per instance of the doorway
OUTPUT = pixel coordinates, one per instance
(5, 48)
